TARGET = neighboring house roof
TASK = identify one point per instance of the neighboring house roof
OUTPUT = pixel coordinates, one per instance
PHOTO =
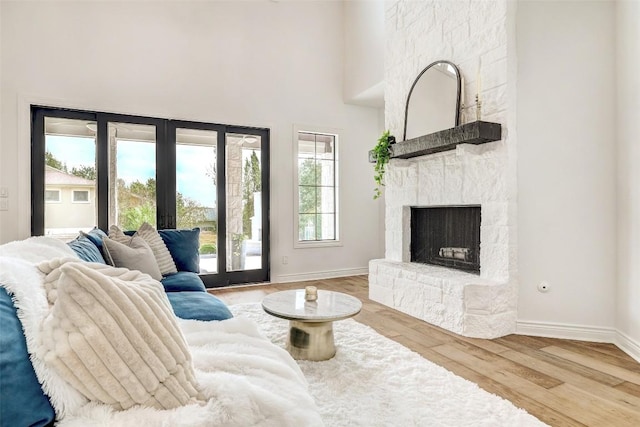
(54, 176)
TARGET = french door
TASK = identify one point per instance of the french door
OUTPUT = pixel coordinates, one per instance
(91, 168)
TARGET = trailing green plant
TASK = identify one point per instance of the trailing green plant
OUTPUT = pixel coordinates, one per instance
(382, 154)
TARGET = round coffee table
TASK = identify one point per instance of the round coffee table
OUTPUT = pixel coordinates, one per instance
(311, 322)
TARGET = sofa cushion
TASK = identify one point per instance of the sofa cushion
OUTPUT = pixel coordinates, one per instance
(182, 281)
(184, 246)
(95, 235)
(115, 233)
(135, 255)
(23, 401)
(198, 306)
(159, 248)
(113, 336)
(86, 249)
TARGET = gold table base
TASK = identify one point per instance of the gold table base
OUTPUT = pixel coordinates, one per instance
(311, 340)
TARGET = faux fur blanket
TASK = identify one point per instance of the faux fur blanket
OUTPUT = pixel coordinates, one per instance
(245, 379)
(113, 335)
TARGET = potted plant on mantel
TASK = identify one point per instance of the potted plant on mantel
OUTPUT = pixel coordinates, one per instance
(382, 154)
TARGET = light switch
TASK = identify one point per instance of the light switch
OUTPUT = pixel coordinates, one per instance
(4, 192)
(4, 204)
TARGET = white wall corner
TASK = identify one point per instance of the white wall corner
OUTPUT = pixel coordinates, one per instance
(628, 345)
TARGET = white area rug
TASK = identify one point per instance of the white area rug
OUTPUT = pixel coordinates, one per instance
(374, 381)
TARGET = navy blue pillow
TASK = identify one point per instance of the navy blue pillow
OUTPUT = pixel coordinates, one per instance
(22, 402)
(198, 305)
(86, 250)
(96, 235)
(184, 247)
(182, 281)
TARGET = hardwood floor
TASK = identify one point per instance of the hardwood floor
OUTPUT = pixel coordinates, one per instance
(561, 382)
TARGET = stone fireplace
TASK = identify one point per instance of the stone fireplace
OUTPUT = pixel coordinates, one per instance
(480, 303)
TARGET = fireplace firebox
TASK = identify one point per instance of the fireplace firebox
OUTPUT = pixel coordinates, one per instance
(448, 236)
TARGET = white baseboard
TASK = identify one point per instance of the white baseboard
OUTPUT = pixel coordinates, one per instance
(580, 333)
(318, 275)
(629, 346)
(565, 331)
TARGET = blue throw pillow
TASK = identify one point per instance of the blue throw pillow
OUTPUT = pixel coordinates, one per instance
(86, 250)
(22, 402)
(184, 247)
(183, 281)
(96, 235)
(198, 305)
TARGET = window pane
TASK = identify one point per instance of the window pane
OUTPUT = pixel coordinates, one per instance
(307, 199)
(307, 227)
(325, 147)
(325, 173)
(306, 172)
(326, 200)
(196, 196)
(52, 196)
(306, 145)
(70, 164)
(244, 208)
(81, 196)
(325, 227)
(132, 167)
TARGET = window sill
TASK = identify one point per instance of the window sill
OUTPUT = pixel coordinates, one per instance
(317, 244)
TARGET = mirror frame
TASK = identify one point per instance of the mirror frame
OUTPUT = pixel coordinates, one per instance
(459, 84)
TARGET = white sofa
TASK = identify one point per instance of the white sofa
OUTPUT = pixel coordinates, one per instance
(242, 378)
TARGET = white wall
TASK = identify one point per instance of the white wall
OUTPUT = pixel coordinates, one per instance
(566, 163)
(263, 63)
(628, 126)
(364, 52)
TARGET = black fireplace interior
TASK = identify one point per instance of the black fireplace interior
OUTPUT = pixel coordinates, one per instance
(448, 236)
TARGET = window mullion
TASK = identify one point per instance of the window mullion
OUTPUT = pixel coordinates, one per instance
(102, 165)
(166, 174)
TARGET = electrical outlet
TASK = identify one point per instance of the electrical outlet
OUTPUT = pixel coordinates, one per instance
(4, 192)
(544, 286)
(285, 260)
(4, 204)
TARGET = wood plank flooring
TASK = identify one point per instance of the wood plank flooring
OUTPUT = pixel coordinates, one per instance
(561, 382)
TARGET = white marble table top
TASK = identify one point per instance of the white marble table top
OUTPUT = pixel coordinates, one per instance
(328, 307)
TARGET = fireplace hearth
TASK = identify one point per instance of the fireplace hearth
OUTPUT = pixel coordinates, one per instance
(447, 236)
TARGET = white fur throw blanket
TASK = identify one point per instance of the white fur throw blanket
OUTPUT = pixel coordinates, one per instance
(113, 336)
(244, 378)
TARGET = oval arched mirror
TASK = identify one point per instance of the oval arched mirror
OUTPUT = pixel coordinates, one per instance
(433, 103)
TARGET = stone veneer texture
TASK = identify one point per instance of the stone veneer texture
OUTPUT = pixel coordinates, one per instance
(475, 36)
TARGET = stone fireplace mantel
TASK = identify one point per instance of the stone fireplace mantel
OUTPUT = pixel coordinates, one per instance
(476, 133)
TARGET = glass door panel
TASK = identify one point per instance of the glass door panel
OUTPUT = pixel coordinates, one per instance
(132, 174)
(196, 190)
(243, 191)
(69, 177)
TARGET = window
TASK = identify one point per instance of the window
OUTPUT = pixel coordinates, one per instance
(80, 196)
(125, 170)
(52, 196)
(317, 188)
